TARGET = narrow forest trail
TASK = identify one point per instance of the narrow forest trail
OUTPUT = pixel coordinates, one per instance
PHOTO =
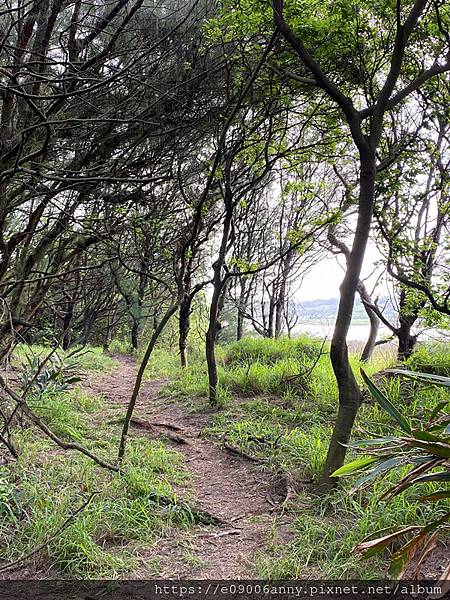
(246, 501)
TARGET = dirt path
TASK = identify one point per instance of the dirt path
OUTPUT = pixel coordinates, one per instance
(245, 500)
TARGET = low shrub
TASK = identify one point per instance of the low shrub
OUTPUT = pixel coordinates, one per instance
(431, 358)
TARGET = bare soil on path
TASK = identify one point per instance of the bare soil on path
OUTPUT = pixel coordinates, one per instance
(246, 501)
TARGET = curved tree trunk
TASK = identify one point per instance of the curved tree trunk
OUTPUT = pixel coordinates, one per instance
(365, 299)
(138, 382)
(349, 393)
(374, 321)
(214, 327)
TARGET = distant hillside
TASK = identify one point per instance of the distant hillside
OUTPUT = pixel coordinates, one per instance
(324, 309)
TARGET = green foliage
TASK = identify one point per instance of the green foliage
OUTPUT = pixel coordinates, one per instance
(90, 358)
(94, 358)
(65, 413)
(51, 374)
(327, 528)
(289, 433)
(424, 447)
(432, 358)
(120, 346)
(251, 367)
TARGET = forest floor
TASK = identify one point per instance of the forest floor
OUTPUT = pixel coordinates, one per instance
(246, 502)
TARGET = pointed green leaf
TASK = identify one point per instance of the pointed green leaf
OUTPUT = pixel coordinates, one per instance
(356, 465)
(373, 442)
(437, 409)
(386, 404)
(386, 465)
(424, 377)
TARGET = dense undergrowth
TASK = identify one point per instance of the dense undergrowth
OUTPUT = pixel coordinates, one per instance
(278, 401)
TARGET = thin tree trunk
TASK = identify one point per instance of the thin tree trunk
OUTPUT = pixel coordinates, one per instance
(137, 384)
(271, 317)
(369, 346)
(135, 334)
(217, 301)
(183, 328)
(67, 320)
(242, 307)
(281, 302)
(349, 393)
(211, 337)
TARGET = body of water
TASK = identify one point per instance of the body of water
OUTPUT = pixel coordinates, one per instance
(360, 331)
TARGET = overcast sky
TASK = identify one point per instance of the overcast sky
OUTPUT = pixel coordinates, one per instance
(325, 277)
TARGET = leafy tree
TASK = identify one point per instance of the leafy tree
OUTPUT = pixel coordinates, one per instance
(368, 60)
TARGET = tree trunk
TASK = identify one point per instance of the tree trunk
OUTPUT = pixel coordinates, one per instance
(281, 301)
(240, 326)
(365, 298)
(271, 317)
(184, 327)
(348, 390)
(406, 341)
(211, 337)
(242, 307)
(374, 323)
(217, 301)
(88, 322)
(137, 384)
(278, 317)
(135, 334)
(67, 320)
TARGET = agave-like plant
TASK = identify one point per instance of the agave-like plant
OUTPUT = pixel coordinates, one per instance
(426, 450)
(55, 373)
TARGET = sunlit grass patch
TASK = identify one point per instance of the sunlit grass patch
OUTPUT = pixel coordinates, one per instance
(268, 351)
(431, 358)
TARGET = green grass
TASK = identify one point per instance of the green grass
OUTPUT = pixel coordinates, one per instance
(138, 506)
(431, 358)
(327, 528)
(66, 413)
(267, 410)
(129, 512)
(270, 351)
(247, 368)
(289, 430)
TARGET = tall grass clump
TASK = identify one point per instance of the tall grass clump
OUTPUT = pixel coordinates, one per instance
(268, 351)
(431, 358)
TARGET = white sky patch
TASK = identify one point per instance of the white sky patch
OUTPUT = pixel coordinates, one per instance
(325, 277)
